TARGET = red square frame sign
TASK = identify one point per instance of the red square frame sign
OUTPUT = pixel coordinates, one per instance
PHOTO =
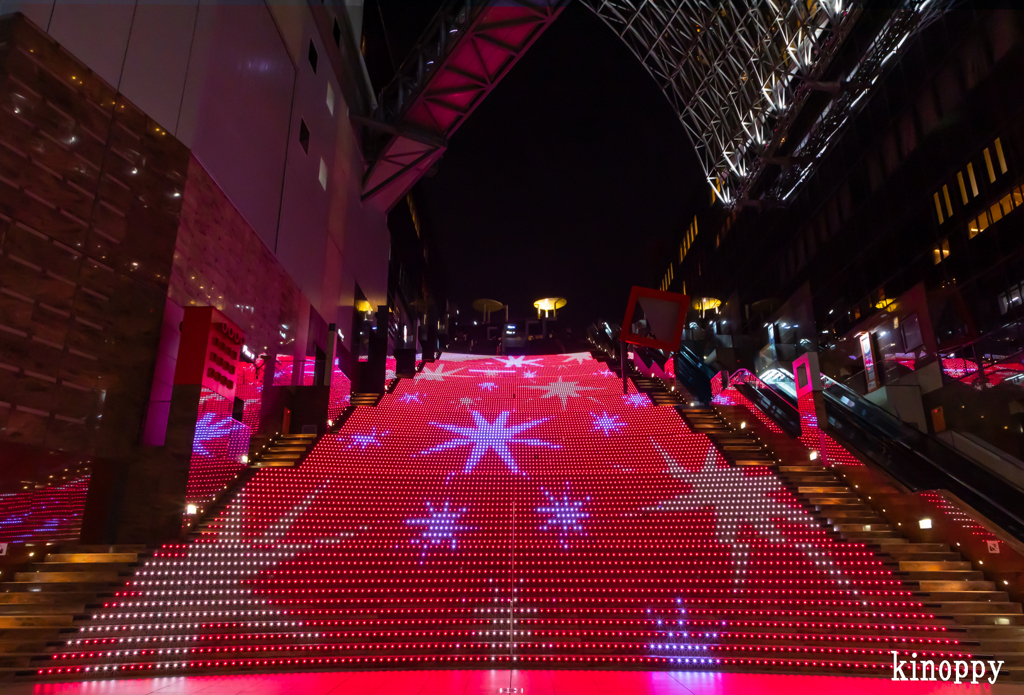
(659, 308)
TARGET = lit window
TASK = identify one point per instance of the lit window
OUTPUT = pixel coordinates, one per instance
(996, 212)
(974, 182)
(938, 208)
(940, 252)
(1006, 203)
(963, 188)
(977, 225)
(1018, 196)
(1000, 157)
(1015, 296)
(988, 165)
(1003, 304)
(330, 98)
(323, 173)
(949, 205)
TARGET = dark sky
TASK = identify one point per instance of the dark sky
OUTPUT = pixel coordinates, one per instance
(573, 178)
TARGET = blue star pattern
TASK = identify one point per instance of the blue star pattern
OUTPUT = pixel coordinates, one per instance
(607, 423)
(410, 398)
(208, 428)
(682, 645)
(637, 400)
(365, 440)
(439, 528)
(484, 436)
(563, 515)
(488, 386)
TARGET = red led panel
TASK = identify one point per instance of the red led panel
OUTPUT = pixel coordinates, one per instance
(51, 513)
(549, 522)
(219, 444)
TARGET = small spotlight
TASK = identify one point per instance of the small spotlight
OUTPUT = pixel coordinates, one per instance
(814, 455)
(190, 510)
(925, 523)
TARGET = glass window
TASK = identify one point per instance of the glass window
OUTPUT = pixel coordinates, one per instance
(996, 213)
(949, 205)
(1006, 204)
(963, 188)
(974, 182)
(988, 166)
(1018, 197)
(1003, 304)
(1000, 157)
(1014, 295)
(938, 208)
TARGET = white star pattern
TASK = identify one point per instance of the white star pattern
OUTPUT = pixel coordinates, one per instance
(577, 357)
(564, 390)
(365, 440)
(563, 515)
(529, 374)
(493, 372)
(484, 436)
(607, 423)
(438, 373)
(738, 500)
(637, 400)
(439, 528)
(488, 386)
(518, 361)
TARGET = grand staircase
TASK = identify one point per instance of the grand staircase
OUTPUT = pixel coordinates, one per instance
(281, 450)
(45, 604)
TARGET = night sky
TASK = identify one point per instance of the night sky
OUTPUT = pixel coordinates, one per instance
(573, 178)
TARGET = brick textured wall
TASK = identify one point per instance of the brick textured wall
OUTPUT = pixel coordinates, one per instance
(90, 198)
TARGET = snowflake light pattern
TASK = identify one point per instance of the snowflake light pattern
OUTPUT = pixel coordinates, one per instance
(489, 436)
(563, 515)
(368, 439)
(740, 500)
(439, 528)
(607, 423)
(563, 390)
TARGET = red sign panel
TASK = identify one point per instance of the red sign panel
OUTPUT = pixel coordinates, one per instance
(209, 351)
(665, 313)
(870, 368)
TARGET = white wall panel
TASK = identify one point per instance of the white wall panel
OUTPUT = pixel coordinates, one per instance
(95, 33)
(154, 70)
(237, 105)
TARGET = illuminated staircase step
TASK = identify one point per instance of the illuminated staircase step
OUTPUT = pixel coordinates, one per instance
(979, 618)
(931, 596)
(67, 577)
(926, 566)
(944, 585)
(64, 620)
(950, 575)
(979, 607)
(85, 558)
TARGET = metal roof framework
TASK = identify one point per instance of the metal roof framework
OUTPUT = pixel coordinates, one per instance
(737, 74)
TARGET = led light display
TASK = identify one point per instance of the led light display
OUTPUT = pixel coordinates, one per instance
(557, 526)
(50, 513)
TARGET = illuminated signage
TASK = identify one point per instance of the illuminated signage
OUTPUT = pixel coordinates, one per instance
(870, 368)
(209, 351)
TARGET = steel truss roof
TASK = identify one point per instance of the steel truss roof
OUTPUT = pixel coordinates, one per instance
(738, 73)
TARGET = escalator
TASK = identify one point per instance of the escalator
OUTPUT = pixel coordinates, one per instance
(693, 374)
(917, 460)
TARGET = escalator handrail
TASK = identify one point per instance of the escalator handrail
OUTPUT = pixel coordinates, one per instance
(914, 442)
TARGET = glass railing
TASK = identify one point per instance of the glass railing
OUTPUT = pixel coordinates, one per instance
(693, 374)
(916, 459)
(773, 404)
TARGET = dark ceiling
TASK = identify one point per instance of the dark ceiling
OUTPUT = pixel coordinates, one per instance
(573, 178)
